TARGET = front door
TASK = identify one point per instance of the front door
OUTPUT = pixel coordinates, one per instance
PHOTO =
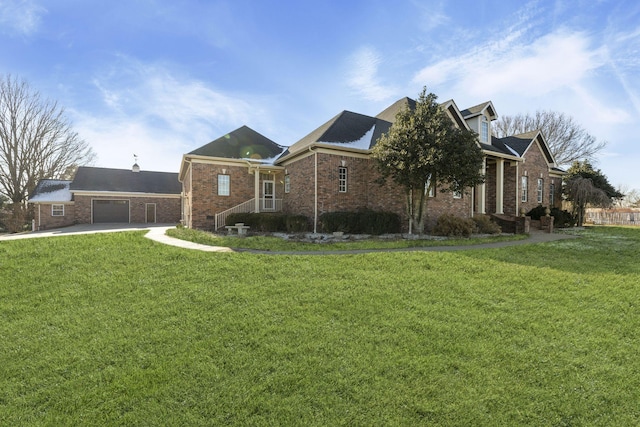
(268, 193)
(151, 213)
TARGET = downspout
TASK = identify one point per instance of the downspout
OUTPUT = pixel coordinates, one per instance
(186, 216)
(315, 190)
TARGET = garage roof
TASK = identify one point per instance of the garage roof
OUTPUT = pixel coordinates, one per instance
(125, 180)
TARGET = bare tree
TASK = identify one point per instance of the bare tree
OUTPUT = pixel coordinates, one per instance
(568, 141)
(36, 141)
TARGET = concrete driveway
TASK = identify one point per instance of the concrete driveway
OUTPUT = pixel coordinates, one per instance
(83, 229)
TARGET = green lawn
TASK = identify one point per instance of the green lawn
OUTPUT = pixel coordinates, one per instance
(115, 329)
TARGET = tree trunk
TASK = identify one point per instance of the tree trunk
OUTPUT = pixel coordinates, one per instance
(17, 221)
(417, 209)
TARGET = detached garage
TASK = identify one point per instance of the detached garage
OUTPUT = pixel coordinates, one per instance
(103, 195)
(110, 211)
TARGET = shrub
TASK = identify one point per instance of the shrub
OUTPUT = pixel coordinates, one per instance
(453, 226)
(296, 223)
(537, 212)
(484, 225)
(562, 219)
(270, 222)
(364, 221)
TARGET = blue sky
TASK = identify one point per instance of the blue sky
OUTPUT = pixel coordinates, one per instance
(161, 78)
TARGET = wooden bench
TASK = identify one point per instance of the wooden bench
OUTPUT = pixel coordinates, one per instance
(240, 229)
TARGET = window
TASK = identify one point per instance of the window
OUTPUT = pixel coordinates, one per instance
(287, 183)
(524, 183)
(342, 179)
(223, 185)
(540, 184)
(457, 194)
(57, 210)
(484, 130)
(552, 194)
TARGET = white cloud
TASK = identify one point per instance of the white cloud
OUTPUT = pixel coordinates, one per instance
(363, 76)
(20, 16)
(512, 66)
(432, 15)
(158, 115)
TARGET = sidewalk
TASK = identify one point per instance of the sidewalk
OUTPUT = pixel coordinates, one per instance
(158, 235)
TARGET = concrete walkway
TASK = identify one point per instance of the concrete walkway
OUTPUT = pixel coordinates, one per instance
(157, 232)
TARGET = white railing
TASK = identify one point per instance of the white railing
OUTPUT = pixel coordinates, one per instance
(266, 205)
(270, 205)
(245, 207)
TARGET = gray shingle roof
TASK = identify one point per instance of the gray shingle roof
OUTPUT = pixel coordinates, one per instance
(389, 114)
(51, 190)
(477, 109)
(126, 181)
(347, 130)
(242, 143)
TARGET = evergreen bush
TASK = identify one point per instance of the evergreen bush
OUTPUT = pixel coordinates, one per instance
(453, 226)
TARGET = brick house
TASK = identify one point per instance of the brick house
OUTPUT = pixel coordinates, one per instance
(331, 169)
(102, 195)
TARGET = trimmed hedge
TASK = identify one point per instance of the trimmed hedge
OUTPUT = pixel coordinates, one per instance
(271, 222)
(360, 222)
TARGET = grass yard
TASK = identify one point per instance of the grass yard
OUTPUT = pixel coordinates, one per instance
(115, 329)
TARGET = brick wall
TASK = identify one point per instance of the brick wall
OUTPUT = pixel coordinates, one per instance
(45, 221)
(167, 209)
(205, 201)
(535, 166)
(510, 202)
(362, 190)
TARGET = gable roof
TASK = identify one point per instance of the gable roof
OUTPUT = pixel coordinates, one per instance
(346, 130)
(389, 114)
(519, 144)
(479, 109)
(51, 190)
(124, 180)
(242, 143)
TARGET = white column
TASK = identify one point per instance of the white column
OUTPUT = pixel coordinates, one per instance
(482, 190)
(500, 186)
(256, 190)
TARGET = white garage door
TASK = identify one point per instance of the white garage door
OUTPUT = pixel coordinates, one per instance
(110, 211)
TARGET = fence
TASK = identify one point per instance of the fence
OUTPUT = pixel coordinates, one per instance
(612, 216)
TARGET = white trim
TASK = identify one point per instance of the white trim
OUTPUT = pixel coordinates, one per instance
(57, 204)
(540, 190)
(343, 183)
(124, 194)
(227, 185)
(500, 186)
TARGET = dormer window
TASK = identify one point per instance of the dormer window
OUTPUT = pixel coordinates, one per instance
(484, 130)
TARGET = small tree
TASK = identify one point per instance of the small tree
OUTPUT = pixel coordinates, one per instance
(585, 186)
(36, 141)
(423, 148)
